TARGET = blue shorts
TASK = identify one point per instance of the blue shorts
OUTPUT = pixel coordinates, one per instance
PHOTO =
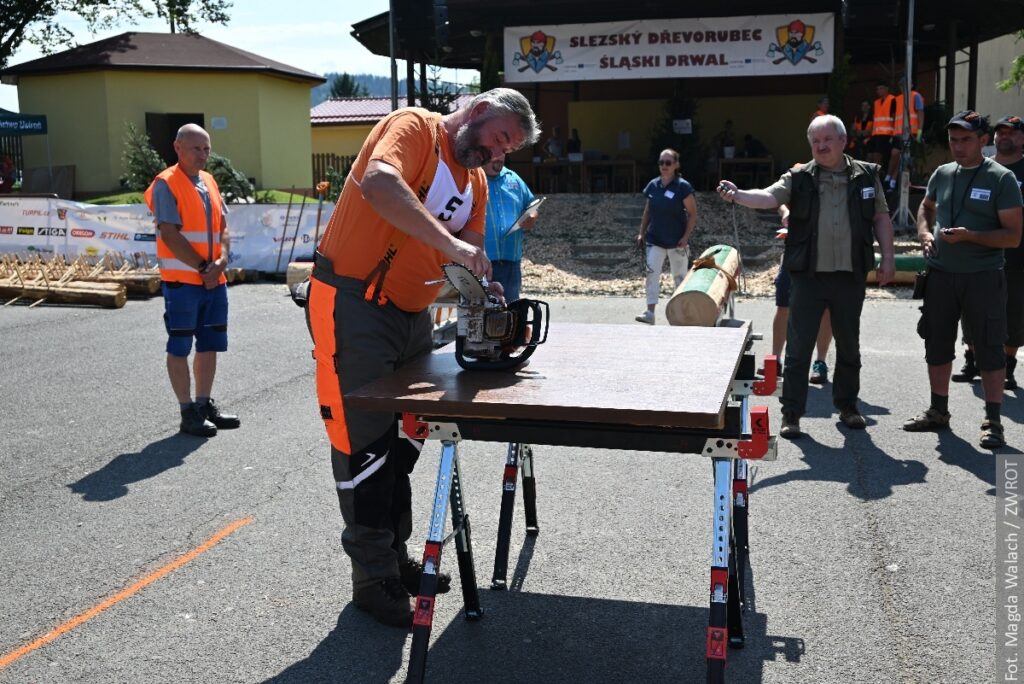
(193, 311)
(782, 282)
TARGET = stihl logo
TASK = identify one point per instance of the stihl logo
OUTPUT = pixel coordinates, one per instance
(82, 232)
(107, 235)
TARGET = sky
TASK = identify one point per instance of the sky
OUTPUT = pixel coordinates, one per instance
(310, 35)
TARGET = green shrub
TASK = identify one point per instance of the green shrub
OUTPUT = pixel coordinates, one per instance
(234, 186)
(141, 161)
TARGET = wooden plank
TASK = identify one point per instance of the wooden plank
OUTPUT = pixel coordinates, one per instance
(628, 375)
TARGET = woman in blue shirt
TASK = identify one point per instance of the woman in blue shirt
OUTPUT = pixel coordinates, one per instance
(666, 227)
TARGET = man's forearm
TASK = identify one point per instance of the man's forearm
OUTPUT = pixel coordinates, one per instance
(925, 220)
(179, 246)
(884, 235)
(395, 202)
(225, 243)
(756, 199)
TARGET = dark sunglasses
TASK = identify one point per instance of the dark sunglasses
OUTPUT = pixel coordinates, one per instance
(666, 162)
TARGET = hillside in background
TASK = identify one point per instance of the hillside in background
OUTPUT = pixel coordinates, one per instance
(378, 86)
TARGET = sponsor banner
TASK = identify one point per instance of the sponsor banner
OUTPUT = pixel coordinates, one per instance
(768, 45)
(259, 238)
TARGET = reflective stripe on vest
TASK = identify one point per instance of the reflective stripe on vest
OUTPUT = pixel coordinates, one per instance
(915, 125)
(192, 211)
(883, 117)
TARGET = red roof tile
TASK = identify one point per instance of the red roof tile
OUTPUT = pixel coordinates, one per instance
(359, 110)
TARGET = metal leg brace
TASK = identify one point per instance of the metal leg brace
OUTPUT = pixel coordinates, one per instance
(725, 626)
(448, 489)
(520, 456)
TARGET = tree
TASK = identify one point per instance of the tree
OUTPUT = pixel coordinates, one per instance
(439, 96)
(141, 162)
(234, 186)
(39, 22)
(344, 85)
(1016, 77)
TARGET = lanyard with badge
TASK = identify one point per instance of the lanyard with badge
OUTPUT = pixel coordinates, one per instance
(963, 198)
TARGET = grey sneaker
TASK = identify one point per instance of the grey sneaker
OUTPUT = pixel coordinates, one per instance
(387, 601)
(646, 317)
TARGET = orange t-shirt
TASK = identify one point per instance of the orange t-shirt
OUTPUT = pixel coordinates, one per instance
(357, 236)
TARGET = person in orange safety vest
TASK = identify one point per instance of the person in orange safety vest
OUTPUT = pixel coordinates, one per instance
(882, 124)
(916, 116)
(192, 248)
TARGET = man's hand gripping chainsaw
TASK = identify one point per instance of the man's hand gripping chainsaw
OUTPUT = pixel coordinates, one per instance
(491, 335)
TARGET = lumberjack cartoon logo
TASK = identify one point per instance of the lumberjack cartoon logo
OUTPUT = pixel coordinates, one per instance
(795, 41)
(538, 51)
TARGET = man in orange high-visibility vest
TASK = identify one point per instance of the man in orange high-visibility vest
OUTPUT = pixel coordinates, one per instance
(192, 248)
(883, 126)
(916, 113)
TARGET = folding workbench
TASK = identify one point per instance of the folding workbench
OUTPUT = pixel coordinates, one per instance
(680, 390)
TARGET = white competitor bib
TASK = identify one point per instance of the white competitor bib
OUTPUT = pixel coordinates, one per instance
(446, 202)
(983, 194)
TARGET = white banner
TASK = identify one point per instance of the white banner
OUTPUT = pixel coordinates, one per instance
(259, 238)
(769, 45)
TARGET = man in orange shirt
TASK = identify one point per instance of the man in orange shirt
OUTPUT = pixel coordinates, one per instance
(413, 201)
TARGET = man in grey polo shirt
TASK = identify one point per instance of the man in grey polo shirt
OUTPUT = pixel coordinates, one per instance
(837, 210)
(971, 213)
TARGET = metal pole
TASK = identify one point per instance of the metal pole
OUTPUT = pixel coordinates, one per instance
(904, 219)
(391, 46)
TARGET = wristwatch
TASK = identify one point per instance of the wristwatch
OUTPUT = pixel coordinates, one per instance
(203, 265)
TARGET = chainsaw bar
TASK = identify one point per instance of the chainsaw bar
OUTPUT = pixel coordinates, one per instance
(467, 284)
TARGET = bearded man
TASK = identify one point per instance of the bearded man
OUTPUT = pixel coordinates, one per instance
(414, 200)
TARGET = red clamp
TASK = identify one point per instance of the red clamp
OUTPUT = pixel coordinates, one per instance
(414, 427)
(718, 637)
(766, 386)
(757, 445)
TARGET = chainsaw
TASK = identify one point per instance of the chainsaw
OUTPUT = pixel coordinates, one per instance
(491, 335)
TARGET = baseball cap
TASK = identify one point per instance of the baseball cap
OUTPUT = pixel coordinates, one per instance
(1014, 122)
(970, 120)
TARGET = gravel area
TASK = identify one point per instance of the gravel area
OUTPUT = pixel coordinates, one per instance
(583, 245)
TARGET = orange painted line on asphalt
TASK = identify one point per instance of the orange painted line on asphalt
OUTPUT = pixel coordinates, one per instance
(123, 594)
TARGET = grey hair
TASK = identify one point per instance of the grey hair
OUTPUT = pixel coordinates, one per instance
(508, 101)
(826, 120)
(188, 130)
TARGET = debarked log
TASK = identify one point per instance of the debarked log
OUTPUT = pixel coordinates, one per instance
(701, 297)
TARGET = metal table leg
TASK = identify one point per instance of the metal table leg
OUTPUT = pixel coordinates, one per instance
(739, 512)
(423, 615)
(529, 492)
(508, 505)
(464, 548)
(718, 620)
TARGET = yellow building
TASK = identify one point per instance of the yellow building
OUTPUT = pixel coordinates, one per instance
(256, 110)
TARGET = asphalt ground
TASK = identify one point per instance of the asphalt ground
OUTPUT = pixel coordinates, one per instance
(872, 553)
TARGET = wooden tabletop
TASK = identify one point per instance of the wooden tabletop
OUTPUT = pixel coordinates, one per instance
(633, 375)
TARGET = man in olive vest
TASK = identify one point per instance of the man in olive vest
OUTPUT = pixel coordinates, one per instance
(192, 248)
(837, 210)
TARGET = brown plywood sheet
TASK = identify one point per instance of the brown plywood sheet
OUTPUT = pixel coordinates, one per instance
(628, 375)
